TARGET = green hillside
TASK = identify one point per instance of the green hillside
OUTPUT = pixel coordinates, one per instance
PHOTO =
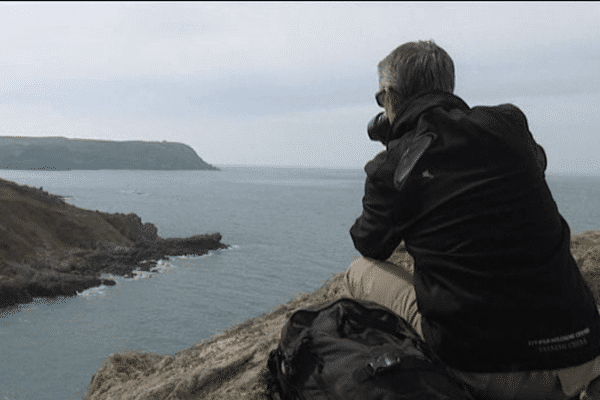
(59, 153)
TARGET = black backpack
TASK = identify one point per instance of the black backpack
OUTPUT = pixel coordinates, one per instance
(355, 350)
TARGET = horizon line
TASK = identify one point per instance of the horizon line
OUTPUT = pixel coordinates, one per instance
(285, 166)
(547, 173)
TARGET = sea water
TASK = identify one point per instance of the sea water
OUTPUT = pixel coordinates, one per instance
(288, 231)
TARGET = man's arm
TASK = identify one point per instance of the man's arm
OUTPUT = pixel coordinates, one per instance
(541, 157)
(375, 233)
(539, 152)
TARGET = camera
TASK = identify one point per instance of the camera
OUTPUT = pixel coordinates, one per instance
(379, 127)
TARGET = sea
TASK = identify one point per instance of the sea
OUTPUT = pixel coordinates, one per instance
(288, 232)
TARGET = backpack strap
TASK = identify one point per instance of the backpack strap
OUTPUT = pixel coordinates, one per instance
(411, 149)
(391, 359)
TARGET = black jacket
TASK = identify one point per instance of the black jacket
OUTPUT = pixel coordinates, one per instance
(496, 283)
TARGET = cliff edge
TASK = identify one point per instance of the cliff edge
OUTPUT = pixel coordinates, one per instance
(232, 363)
(59, 153)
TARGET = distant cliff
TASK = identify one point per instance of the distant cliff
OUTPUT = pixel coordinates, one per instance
(59, 153)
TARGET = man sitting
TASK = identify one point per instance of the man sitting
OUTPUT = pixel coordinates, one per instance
(495, 290)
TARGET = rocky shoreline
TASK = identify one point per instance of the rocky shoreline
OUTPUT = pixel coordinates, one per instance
(52, 276)
(144, 255)
(49, 248)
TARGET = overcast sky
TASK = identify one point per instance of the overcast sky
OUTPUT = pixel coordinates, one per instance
(288, 83)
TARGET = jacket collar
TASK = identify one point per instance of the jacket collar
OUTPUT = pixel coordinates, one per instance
(414, 107)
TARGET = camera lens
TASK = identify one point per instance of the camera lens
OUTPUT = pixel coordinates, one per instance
(378, 127)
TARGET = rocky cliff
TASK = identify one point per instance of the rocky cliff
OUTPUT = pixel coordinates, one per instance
(50, 248)
(59, 153)
(231, 365)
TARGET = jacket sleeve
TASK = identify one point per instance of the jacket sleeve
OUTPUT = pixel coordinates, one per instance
(376, 233)
(541, 157)
(540, 154)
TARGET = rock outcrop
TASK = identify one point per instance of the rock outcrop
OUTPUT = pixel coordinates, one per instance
(145, 253)
(231, 365)
(50, 248)
(59, 153)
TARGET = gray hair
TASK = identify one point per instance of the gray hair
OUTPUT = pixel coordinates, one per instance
(417, 67)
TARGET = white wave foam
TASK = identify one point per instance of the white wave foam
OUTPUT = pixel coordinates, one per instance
(208, 254)
(110, 276)
(137, 274)
(191, 256)
(162, 266)
(93, 292)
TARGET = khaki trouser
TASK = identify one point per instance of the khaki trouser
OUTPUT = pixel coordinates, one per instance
(392, 286)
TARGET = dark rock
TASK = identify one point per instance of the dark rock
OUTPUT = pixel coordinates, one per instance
(150, 231)
(46, 283)
(131, 227)
(147, 265)
(51, 284)
(119, 269)
(195, 245)
(13, 291)
(122, 261)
